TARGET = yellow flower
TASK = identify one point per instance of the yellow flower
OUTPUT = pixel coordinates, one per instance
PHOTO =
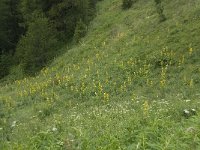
(190, 51)
(106, 96)
(191, 83)
(145, 108)
(162, 82)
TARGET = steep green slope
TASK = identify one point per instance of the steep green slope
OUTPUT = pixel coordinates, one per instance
(125, 86)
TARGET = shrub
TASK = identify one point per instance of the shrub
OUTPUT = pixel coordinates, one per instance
(38, 46)
(80, 31)
(126, 4)
(160, 10)
(157, 2)
(5, 61)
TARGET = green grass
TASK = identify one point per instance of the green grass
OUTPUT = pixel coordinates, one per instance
(125, 86)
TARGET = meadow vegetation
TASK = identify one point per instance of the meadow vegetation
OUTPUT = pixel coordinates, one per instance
(133, 82)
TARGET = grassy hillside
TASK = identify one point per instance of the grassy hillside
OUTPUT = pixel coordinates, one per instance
(125, 86)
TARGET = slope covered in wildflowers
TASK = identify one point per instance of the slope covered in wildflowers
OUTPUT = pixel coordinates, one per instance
(131, 83)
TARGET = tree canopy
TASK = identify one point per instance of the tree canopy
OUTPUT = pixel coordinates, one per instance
(30, 29)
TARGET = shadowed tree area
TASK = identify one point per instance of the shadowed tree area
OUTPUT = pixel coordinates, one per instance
(26, 24)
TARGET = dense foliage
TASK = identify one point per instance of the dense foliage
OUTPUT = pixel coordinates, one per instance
(160, 10)
(30, 30)
(126, 4)
(9, 33)
(38, 46)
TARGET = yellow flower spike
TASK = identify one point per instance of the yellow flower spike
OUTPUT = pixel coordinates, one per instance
(183, 59)
(163, 72)
(100, 88)
(145, 108)
(122, 63)
(163, 82)
(147, 82)
(129, 80)
(94, 84)
(133, 97)
(20, 94)
(124, 82)
(161, 53)
(122, 88)
(76, 89)
(163, 76)
(191, 83)
(97, 56)
(59, 82)
(140, 70)
(72, 88)
(184, 78)
(106, 96)
(107, 81)
(190, 50)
